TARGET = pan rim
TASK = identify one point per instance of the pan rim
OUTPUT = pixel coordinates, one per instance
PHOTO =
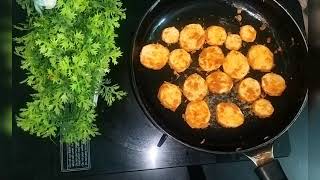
(150, 118)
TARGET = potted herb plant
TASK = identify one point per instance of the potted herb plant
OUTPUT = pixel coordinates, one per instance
(67, 51)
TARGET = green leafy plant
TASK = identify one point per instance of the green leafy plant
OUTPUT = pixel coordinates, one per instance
(67, 53)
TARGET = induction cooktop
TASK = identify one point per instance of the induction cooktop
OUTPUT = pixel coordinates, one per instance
(129, 141)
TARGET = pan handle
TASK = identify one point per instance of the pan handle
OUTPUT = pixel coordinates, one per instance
(271, 171)
(268, 168)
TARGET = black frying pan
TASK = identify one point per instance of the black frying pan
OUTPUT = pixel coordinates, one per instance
(255, 136)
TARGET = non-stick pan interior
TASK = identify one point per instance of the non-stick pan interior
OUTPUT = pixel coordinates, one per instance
(289, 49)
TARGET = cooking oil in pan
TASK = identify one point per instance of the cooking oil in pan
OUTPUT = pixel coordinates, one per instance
(214, 99)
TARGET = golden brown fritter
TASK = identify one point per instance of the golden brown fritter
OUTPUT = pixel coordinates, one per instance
(215, 35)
(273, 84)
(233, 42)
(260, 58)
(170, 96)
(219, 82)
(195, 88)
(170, 35)
(249, 90)
(154, 56)
(192, 37)
(262, 108)
(211, 58)
(197, 114)
(236, 65)
(179, 60)
(248, 33)
(229, 115)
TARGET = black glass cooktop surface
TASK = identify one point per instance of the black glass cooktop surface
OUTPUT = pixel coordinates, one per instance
(129, 140)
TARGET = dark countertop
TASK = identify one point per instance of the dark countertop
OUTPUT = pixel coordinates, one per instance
(314, 142)
(33, 155)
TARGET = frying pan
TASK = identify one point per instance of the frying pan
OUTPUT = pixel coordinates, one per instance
(255, 137)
